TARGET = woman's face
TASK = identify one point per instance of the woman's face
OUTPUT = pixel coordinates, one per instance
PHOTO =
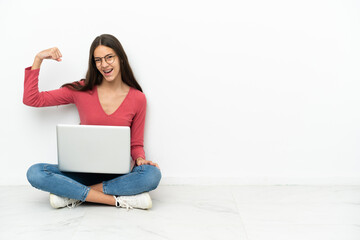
(107, 62)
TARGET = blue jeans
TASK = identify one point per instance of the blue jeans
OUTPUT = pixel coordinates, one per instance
(49, 178)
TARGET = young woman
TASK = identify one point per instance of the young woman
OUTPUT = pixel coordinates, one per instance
(109, 95)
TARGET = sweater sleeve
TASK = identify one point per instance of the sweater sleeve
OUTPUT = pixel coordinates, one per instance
(137, 130)
(32, 97)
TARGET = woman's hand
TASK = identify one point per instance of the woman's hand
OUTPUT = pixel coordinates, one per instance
(51, 53)
(141, 161)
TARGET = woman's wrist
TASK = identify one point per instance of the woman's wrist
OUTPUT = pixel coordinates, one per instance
(37, 63)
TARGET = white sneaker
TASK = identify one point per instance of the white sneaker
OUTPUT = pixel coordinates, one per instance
(142, 201)
(60, 202)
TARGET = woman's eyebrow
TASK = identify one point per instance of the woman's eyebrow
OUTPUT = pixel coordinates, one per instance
(105, 55)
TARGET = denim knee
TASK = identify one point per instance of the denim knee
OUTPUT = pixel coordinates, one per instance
(34, 174)
(152, 177)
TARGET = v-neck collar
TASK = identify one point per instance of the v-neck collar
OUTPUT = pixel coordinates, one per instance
(122, 103)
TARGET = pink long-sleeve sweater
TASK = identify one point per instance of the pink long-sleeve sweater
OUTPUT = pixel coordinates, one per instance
(130, 113)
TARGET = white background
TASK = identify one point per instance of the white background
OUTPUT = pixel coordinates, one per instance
(249, 92)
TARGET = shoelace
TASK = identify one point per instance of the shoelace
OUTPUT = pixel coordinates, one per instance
(122, 203)
(74, 204)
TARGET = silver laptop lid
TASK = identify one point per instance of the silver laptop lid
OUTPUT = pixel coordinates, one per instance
(93, 148)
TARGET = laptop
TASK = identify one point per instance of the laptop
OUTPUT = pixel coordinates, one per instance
(93, 149)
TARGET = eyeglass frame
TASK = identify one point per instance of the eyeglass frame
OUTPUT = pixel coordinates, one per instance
(105, 59)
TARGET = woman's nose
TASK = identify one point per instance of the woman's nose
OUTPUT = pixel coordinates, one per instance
(103, 62)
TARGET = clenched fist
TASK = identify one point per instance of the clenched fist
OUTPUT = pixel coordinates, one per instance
(51, 53)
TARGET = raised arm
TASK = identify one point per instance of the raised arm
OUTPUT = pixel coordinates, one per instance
(32, 96)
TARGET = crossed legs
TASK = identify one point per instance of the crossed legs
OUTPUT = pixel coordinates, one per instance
(92, 187)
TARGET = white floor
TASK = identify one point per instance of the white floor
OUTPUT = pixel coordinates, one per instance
(191, 212)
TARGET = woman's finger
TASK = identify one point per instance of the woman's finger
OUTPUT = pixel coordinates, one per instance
(155, 164)
(56, 54)
(148, 162)
(59, 55)
(52, 53)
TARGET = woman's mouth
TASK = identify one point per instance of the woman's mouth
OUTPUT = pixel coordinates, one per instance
(108, 72)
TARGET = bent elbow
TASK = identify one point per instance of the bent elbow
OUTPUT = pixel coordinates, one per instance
(30, 103)
(25, 102)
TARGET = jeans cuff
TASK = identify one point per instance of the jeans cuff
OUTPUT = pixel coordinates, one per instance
(104, 187)
(86, 192)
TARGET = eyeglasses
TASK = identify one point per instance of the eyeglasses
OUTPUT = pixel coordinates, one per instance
(109, 59)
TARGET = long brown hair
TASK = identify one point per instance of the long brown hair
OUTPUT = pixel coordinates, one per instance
(94, 77)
